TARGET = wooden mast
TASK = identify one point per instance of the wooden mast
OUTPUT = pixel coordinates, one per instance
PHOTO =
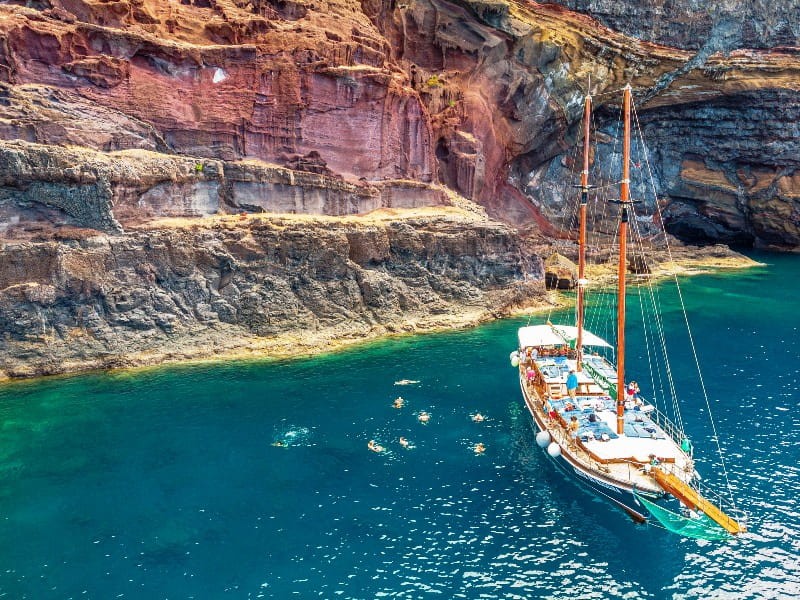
(587, 114)
(624, 191)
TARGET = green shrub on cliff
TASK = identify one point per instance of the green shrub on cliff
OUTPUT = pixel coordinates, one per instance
(433, 81)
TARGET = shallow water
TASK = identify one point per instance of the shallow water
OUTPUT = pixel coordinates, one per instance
(166, 483)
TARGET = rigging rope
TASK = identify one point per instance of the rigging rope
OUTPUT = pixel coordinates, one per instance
(658, 324)
(601, 300)
(598, 212)
(686, 319)
(566, 211)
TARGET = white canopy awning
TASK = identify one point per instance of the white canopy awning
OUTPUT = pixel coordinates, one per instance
(556, 335)
(539, 335)
(570, 332)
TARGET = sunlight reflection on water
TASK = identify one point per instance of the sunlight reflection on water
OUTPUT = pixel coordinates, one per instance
(167, 483)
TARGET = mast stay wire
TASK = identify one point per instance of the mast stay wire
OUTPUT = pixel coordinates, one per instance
(659, 332)
(651, 292)
(686, 319)
(599, 213)
(569, 204)
(656, 324)
(599, 210)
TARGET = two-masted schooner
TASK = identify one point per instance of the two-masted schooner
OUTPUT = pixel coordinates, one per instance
(594, 423)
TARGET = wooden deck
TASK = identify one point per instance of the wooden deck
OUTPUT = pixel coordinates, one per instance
(620, 458)
(624, 460)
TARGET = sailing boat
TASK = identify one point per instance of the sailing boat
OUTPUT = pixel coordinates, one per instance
(596, 428)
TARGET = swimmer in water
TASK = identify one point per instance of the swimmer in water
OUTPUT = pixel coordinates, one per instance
(399, 402)
(479, 448)
(403, 442)
(478, 418)
(279, 444)
(375, 446)
(424, 417)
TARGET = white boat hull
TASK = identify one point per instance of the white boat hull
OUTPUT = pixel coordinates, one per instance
(620, 495)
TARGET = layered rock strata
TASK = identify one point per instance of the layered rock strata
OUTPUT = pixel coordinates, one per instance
(689, 24)
(220, 80)
(238, 285)
(46, 186)
(480, 96)
(129, 129)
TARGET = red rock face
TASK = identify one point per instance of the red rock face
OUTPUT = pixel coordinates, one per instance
(480, 96)
(274, 88)
(509, 83)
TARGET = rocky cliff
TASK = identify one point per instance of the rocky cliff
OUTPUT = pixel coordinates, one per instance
(519, 71)
(238, 285)
(481, 96)
(129, 129)
(691, 24)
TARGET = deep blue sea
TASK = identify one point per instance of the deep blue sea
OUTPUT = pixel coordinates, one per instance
(165, 483)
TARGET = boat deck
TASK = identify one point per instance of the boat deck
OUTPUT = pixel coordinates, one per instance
(597, 445)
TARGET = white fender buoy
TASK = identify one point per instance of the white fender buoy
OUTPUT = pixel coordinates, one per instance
(514, 357)
(542, 439)
(554, 450)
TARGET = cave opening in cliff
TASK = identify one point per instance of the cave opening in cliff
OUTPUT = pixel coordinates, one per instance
(701, 231)
(447, 169)
(442, 151)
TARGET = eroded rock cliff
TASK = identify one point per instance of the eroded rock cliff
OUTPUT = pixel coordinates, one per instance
(518, 73)
(690, 24)
(237, 285)
(129, 129)
(479, 95)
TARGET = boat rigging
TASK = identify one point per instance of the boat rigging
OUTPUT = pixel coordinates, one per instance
(603, 432)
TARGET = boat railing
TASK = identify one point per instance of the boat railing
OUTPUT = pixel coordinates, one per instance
(581, 453)
(564, 439)
(660, 419)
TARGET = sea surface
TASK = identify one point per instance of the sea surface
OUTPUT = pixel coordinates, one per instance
(167, 483)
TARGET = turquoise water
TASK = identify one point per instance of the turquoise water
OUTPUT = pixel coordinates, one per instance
(166, 483)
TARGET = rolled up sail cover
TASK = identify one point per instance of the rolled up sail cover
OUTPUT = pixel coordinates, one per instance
(570, 334)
